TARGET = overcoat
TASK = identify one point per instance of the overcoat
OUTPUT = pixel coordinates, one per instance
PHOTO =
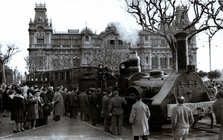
(105, 103)
(83, 100)
(6, 100)
(58, 108)
(218, 110)
(93, 104)
(73, 99)
(18, 108)
(139, 118)
(32, 108)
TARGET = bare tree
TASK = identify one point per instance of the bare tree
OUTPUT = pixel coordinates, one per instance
(160, 17)
(109, 57)
(63, 61)
(38, 62)
(6, 58)
(35, 62)
(27, 62)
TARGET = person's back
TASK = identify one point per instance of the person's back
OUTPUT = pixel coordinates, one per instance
(82, 99)
(104, 110)
(183, 114)
(116, 109)
(105, 103)
(83, 103)
(182, 119)
(93, 106)
(142, 112)
(139, 117)
(116, 104)
(58, 105)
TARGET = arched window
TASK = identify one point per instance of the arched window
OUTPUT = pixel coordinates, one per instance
(40, 41)
(170, 61)
(163, 61)
(86, 38)
(154, 61)
(147, 59)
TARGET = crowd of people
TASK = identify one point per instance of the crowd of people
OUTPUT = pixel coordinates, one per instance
(30, 107)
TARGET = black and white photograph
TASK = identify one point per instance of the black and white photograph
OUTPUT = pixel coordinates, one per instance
(111, 70)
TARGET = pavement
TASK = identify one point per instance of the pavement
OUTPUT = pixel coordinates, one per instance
(7, 126)
(66, 125)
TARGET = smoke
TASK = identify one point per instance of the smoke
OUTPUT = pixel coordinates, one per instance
(127, 33)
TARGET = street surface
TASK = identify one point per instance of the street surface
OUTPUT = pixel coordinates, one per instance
(74, 129)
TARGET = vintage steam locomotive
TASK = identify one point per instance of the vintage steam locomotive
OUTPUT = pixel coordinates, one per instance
(157, 89)
(160, 91)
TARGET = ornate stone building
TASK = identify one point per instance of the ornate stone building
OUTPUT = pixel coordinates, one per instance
(49, 50)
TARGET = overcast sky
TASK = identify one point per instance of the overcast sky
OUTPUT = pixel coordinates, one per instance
(77, 14)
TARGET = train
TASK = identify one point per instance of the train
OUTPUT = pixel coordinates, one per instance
(79, 77)
(157, 89)
(160, 90)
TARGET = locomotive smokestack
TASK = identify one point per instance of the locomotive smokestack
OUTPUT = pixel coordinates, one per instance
(182, 56)
(134, 63)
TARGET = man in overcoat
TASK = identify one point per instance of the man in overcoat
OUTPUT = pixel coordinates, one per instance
(218, 110)
(73, 103)
(104, 109)
(139, 118)
(83, 103)
(58, 105)
(94, 106)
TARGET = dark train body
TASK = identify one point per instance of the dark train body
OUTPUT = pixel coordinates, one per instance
(81, 77)
(161, 91)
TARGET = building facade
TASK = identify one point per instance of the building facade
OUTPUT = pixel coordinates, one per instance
(49, 50)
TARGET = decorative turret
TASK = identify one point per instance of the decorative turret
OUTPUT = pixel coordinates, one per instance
(182, 20)
(40, 29)
(40, 16)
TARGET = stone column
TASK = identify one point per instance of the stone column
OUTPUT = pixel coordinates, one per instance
(150, 60)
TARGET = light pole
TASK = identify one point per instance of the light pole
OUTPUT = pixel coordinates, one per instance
(209, 44)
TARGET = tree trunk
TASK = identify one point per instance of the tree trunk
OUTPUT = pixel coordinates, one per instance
(3, 74)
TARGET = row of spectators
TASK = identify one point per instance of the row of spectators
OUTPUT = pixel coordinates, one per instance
(31, 106)
(214, 87)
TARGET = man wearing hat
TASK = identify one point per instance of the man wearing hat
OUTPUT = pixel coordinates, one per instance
(182, 119)
(104, 109)
(139, 119)
(93, 102)
(116, 109)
